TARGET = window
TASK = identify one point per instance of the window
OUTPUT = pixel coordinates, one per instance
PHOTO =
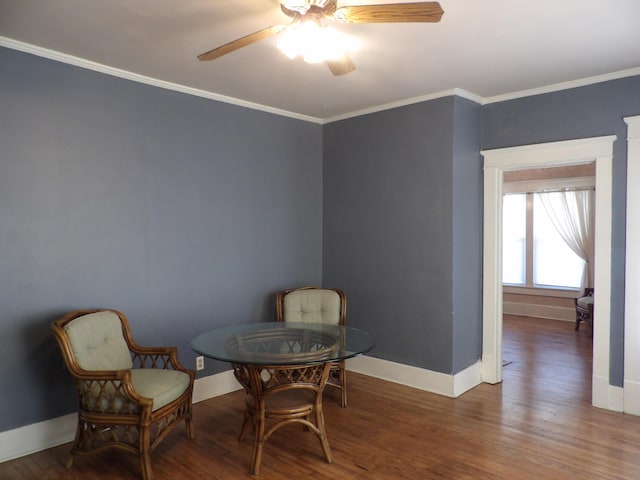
(514, 245)
(534, 253)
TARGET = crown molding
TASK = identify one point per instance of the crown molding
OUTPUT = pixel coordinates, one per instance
(556, 87)
(135, 77)
(407, 101)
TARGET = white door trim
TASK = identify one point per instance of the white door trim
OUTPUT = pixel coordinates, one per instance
(632, 271)
(571, 152)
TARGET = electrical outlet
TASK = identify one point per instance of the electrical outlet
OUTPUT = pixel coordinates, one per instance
(199, 363)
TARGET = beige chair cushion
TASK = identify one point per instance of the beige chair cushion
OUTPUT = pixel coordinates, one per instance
(163, 386)
(585, 302)
(312, 306)
(98, 343)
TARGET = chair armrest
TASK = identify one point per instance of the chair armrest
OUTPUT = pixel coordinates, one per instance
(109, 392)
(157, 357)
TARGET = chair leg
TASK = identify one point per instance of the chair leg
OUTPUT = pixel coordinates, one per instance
(189, 425)
(258, 444)
(343, 384)
(76, 443)
(145, 462)
(145, 452)
(248, 419)
(322, 436)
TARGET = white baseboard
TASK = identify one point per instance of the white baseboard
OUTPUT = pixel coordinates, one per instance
(601, 385)
(51, 433)
(214, 385)
(467, 379)
(539, 311)
(430, 381)
(610, 397)
(616, 399)
(631, 397)
(441, 383)
(38, 436)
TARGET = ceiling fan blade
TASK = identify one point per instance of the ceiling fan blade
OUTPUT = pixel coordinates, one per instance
(240, 42)
(390, 13)
(341, 65)
(328, 6)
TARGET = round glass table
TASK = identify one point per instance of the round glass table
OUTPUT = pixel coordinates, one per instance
(282, 343)
(283, 368)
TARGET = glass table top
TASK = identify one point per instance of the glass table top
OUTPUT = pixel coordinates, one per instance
(282, 343)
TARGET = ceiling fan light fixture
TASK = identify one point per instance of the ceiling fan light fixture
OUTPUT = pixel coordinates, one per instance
(313, 42)
(300, 6)
(288, 42)
(309, 37)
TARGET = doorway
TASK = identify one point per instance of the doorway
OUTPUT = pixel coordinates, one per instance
(572, 152)
(543, 265)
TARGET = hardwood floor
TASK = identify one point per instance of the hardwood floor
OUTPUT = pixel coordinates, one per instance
(537, 424)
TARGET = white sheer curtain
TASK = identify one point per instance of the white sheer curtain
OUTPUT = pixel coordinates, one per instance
(572, 215)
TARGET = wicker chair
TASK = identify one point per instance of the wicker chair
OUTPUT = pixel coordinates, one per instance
(317, 305)
(280, 395)
(130, 397)
(584, 308)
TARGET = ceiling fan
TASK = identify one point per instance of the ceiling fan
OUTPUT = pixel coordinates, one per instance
(309, 29)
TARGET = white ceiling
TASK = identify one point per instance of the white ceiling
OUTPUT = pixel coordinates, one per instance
(489, 48)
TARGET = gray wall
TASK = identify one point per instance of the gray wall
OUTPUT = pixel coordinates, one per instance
(401, 225)
(182, 212)
(187, 213)
(588, 111)
(389, 227)
(467, 235)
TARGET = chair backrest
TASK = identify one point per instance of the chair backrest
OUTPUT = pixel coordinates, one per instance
(97, 341)
(312, 305)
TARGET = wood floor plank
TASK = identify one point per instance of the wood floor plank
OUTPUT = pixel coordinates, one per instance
(537, 424)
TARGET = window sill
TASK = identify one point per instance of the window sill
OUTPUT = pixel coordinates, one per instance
(542, 292)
